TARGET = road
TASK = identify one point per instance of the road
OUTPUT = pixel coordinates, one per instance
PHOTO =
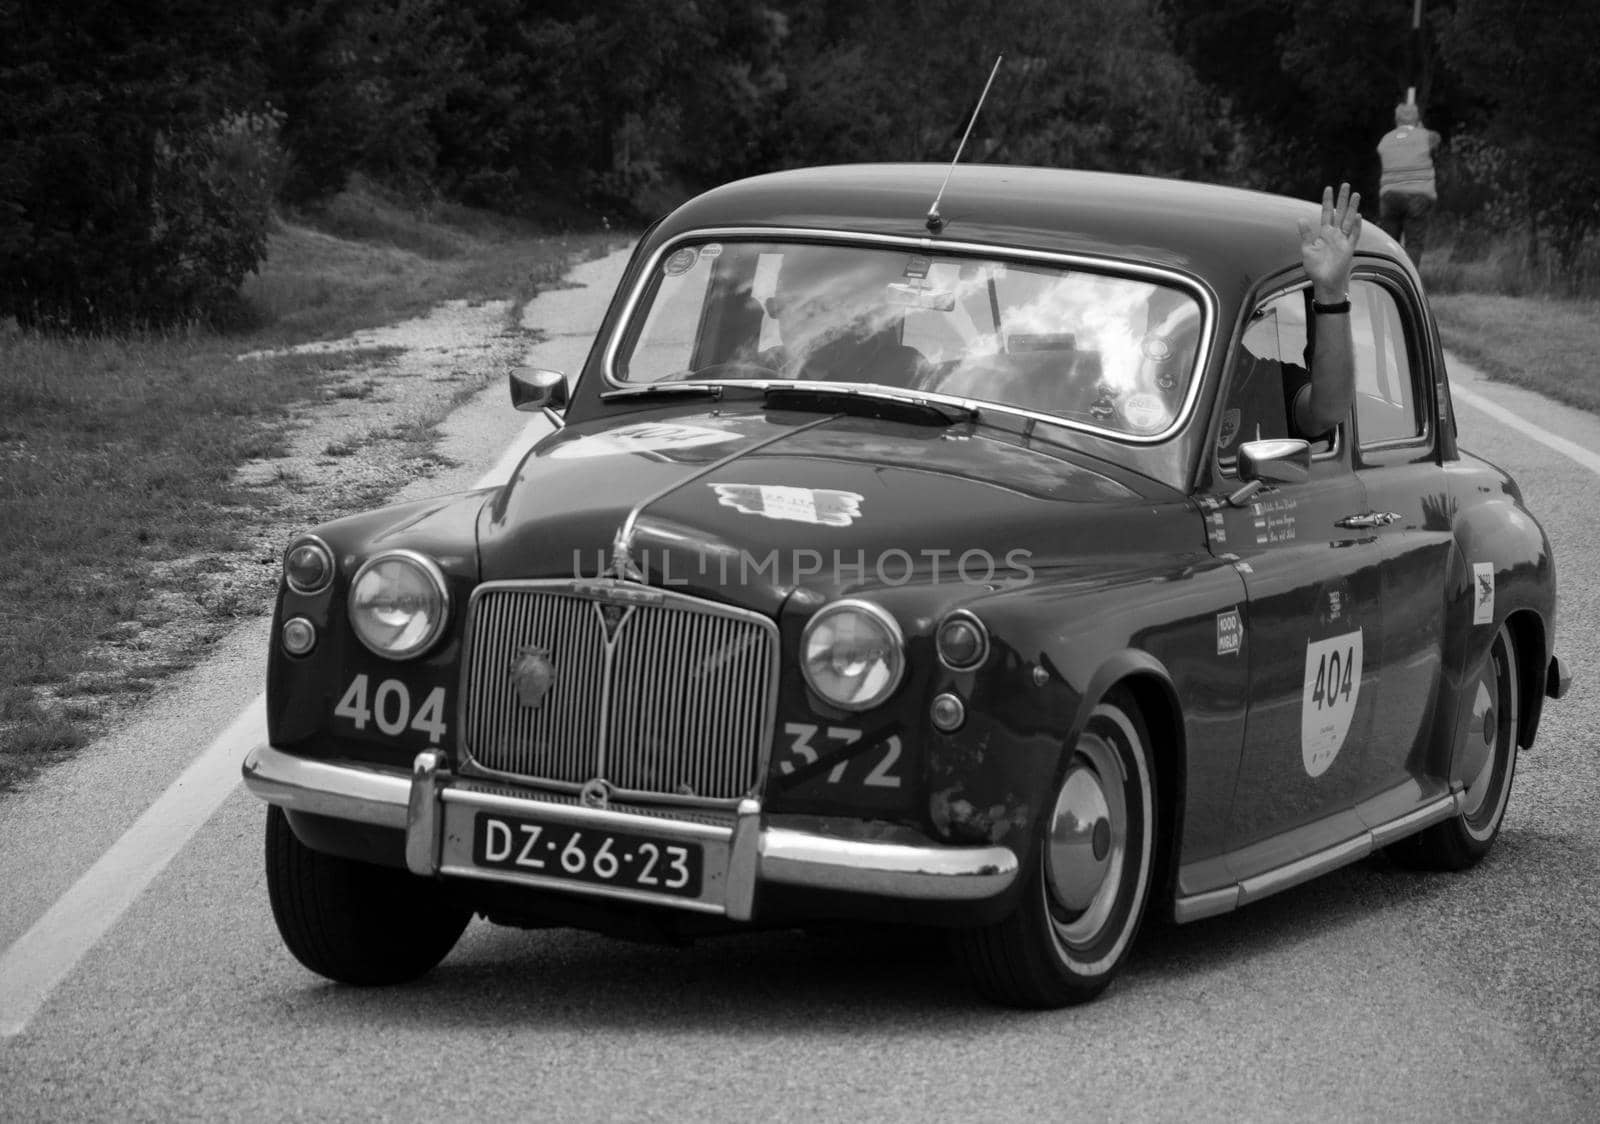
(142, 977)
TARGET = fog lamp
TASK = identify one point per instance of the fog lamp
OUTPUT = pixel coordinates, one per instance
(308, 565)
(962, 641)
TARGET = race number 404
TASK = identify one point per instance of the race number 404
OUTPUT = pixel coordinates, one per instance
(1328, 699)
(389, 707)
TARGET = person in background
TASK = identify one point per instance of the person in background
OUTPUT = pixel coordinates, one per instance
(1406, 189)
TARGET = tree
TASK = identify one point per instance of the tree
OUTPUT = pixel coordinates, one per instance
(1536, 64)
(130, 192)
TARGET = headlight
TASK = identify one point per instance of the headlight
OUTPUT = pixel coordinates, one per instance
(308, 565)
(398, 604)
(852, 654)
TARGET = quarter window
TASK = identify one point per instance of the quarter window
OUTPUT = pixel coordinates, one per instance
(1388, 407)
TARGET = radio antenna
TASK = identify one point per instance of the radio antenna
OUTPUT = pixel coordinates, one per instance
(935, 221)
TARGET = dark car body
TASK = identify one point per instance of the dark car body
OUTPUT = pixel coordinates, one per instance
(1313, 649)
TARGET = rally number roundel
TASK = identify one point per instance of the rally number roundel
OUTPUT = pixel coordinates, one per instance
(1332, 685)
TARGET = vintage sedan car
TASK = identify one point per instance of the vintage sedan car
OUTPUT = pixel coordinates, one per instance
(950, 570)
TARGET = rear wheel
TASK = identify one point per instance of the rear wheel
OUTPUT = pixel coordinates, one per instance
(354, 922)
(1487, 745)
(1089, 880)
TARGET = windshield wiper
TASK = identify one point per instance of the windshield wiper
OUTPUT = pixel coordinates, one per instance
(870, 402)
(666, 389)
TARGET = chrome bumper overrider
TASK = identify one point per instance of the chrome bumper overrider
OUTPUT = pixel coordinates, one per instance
(437, 816)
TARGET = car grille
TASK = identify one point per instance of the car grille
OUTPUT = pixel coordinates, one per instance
(655, 692)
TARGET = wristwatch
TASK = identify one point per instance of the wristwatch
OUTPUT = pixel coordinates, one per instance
(1330, 309)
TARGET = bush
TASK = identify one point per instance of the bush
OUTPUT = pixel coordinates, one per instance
(172, 234)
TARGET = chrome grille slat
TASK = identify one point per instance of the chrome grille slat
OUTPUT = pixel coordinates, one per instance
(685, 687)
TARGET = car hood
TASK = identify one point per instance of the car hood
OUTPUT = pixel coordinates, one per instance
(746, 506)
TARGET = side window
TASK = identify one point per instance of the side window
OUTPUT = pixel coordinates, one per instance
(1266, 369)
(1389, 406)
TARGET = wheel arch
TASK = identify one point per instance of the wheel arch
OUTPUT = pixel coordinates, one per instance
(1527, 629)
(1150, 684)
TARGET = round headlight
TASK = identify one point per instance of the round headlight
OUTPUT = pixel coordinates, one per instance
(308, 565)
(398, 604)
(852, 654)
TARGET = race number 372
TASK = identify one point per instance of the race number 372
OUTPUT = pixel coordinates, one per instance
(1328, 699)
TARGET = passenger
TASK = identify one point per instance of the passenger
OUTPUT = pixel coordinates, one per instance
(1271, 398)
(836, 321)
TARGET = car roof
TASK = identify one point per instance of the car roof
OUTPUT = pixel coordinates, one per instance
(1228, 236)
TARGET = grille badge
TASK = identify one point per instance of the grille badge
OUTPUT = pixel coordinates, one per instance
(532, 675)
(595, 793)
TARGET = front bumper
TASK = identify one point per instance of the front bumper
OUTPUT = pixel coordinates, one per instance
(435, 810)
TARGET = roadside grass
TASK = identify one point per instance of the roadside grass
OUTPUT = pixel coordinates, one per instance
(1513, 316)
(117, 454)
(1550, 346)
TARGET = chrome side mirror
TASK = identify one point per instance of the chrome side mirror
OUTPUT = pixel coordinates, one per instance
(1279, 460)
(534, 389)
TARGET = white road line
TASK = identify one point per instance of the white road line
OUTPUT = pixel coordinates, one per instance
(47, 953)
(1571, 449)
(44, 955)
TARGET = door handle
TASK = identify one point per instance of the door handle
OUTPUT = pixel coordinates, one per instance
(1368, 519)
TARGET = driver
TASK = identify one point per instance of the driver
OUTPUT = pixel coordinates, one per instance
(835, 320)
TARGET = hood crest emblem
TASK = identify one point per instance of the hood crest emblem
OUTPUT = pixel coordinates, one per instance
(532, 675)
(611, 617)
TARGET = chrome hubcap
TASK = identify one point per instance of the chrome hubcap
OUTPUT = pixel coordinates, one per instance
(1482, 733)
(1088, 841)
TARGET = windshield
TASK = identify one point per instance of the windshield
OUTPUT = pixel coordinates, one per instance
(1112, 352)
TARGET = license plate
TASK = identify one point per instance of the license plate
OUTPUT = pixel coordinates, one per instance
(583, 854)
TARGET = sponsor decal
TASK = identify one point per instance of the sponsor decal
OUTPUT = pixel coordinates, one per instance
(1273, 520)
(1328, 699)
(680, 262)
(1483, 593)
(644, 437)
(1230, 633)
(825, 507)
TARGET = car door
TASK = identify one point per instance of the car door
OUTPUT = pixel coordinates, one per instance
(1311, 621)
(1397, 445)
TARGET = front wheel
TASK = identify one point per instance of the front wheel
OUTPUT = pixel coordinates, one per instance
(354, 922)
(1486, 744)
(1089, 879)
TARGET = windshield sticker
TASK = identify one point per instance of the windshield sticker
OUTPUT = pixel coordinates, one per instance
(680, 262)
(711, 250)
(1229, 430)
(918, 266)
(1145, 411)
(1230, 633)
(1328, 699)
(1483, 593)
(823, 507)
(645, 437)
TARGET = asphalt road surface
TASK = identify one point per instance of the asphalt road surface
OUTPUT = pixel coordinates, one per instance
(141, 976)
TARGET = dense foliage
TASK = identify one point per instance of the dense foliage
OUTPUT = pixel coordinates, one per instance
(143, 146)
